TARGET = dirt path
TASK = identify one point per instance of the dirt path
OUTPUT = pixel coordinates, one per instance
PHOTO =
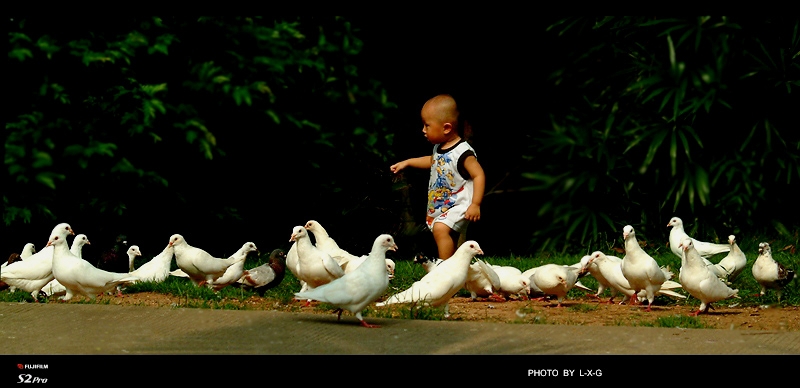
(580, 311)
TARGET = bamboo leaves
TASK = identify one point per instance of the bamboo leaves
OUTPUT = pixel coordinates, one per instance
(682, 98)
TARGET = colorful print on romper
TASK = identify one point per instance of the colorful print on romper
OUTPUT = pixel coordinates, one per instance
(440, 196)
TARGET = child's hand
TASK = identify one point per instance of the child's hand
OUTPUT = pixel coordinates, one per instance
(398, 166)
(473, 212)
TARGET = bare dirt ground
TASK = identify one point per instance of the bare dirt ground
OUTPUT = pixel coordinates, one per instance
(584, 310)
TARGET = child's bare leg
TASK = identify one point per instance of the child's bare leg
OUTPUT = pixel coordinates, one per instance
(446, 240)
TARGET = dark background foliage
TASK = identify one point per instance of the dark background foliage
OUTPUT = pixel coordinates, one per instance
(236, 129)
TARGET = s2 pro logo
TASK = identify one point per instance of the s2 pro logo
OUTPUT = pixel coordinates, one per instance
(26, 378)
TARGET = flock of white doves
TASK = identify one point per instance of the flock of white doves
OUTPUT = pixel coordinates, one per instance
(330, 274)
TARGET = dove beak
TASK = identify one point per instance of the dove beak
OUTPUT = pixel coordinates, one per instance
(71, 231)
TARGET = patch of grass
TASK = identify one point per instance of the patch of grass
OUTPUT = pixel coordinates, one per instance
(407, 272)
(410, 311)
(582, 307)
(539, 319)
(17, 296)
(528, 309)
(680, 321)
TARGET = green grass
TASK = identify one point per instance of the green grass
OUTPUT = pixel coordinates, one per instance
(582, 308)
(407, 272)
(677, 321)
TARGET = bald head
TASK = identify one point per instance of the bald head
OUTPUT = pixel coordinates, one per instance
(442, 108)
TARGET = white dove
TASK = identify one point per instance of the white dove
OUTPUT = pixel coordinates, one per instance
(512, 282)
(132, 252)
(326, 243)
(769, 273)
(590, 265)
(292, 264)
(78, 276)
(705, 249)
(77, 245)
(699, 281)
(56, 288)
(27, 251)
(235, 271)
(641, 269)
(200, 266)
(157, 269)
(314, 266)
(357, 289)
(610, 269)
(536, 291)
(734, 262)
(352, 264)
(439, 285)
(582, 272)
(178, 273)
(482, 280)
(555, 279)
(390, 267)
(533, 289)
(34, 272)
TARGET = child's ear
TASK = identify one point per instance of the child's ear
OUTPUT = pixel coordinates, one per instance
(447, 128)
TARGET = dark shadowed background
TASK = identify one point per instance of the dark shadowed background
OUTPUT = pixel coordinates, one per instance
(235, 129)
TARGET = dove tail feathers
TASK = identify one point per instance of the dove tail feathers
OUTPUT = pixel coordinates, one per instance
(408, 296)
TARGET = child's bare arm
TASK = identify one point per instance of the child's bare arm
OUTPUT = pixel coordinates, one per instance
(420, 162)
(478, 186)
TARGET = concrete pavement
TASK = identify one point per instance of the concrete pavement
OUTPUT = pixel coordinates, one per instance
(52, 329)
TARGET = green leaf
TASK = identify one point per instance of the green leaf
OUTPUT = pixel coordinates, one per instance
(672, 56)
(157, 104)
(20, 54)
(14, 37)
(702, 185)
(42, 159)
(48, 179)
(655, 144)
(150, 90)
(274, 115)
(673, 153)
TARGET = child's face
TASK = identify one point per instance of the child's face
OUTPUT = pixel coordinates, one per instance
(432, 127)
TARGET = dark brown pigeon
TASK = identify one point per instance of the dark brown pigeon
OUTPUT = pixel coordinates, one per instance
(266, 276)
